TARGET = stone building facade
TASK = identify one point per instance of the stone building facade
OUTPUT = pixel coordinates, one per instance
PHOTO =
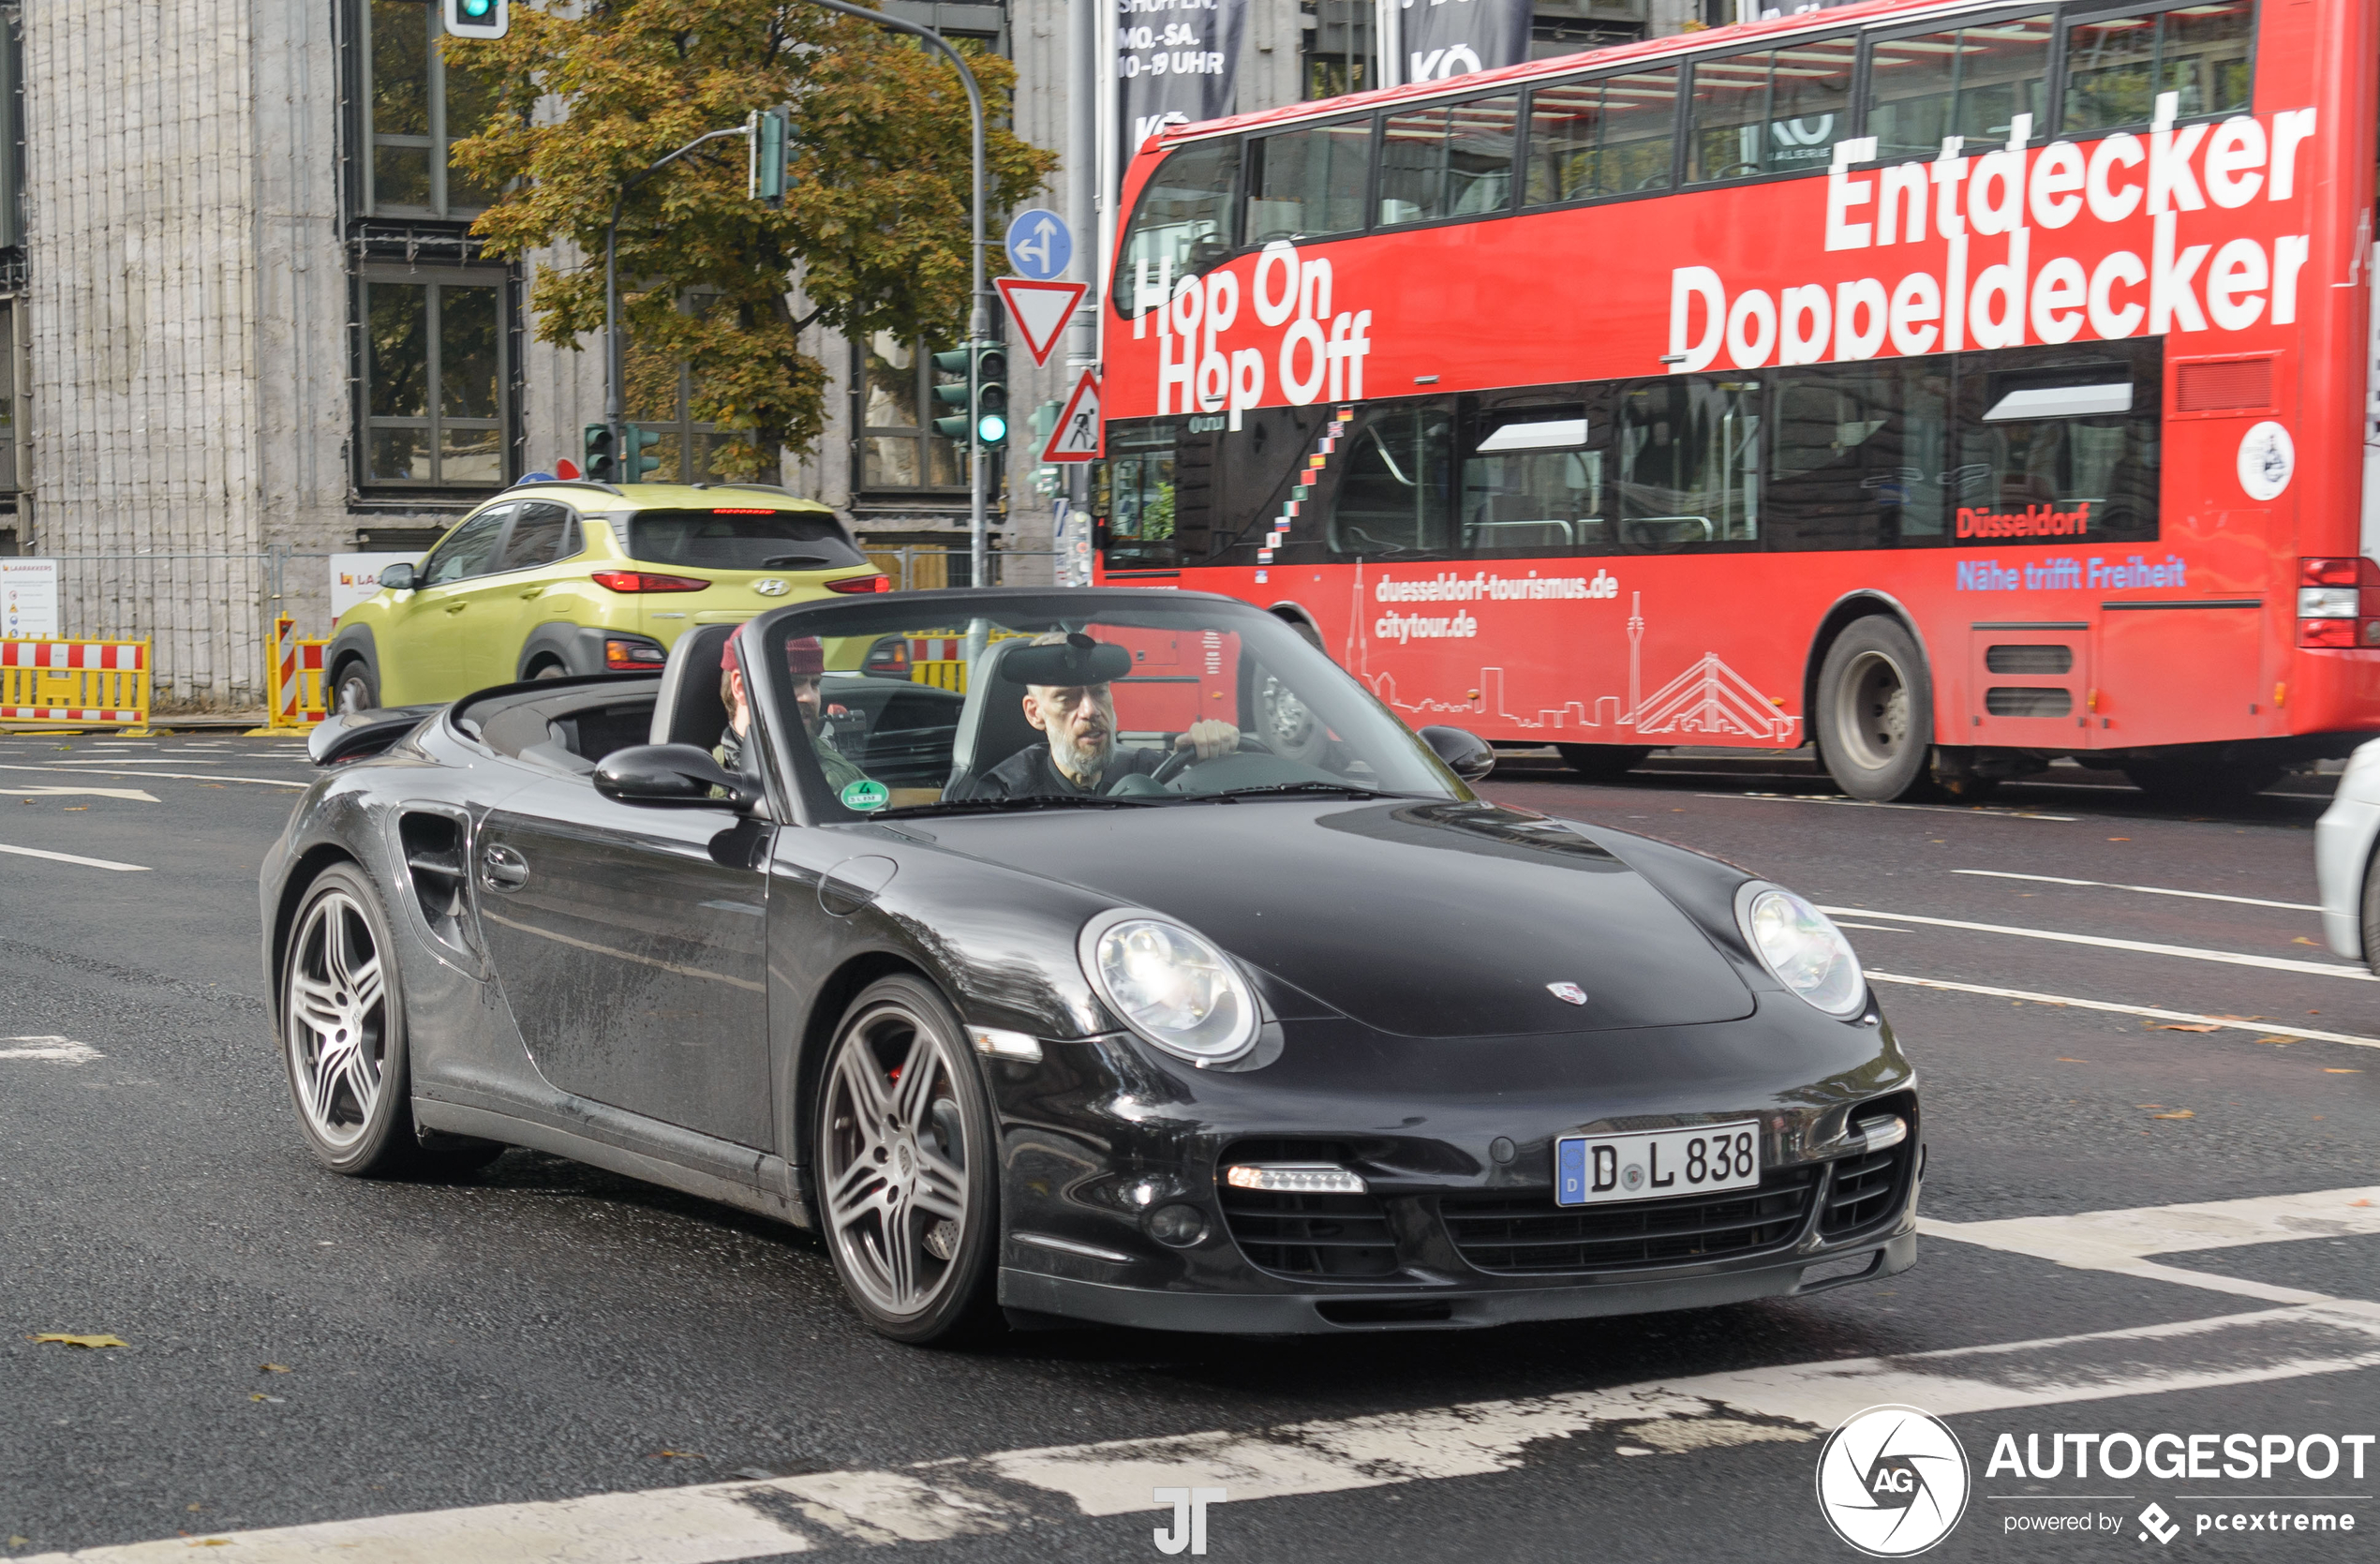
(243, 324)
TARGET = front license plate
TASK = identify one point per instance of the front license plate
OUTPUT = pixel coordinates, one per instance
(1656, 1164)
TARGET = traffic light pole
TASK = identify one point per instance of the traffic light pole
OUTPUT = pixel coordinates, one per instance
(979, 314)
(615, 372)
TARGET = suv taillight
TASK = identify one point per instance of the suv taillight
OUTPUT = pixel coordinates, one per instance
(624, 654)
(861, 584)
(646, 581)
(2337, 603)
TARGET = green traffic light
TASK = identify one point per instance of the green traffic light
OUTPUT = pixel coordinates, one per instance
(992, 428)
(477, 8)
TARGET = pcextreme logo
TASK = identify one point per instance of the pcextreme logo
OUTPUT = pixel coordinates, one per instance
(1892, 1481)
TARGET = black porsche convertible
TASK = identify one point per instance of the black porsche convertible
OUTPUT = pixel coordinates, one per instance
(1081, 956)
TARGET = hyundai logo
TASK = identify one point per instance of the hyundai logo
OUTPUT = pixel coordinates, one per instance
(772, 587)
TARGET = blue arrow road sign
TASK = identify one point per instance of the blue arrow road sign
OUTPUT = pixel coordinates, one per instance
(1038, 245)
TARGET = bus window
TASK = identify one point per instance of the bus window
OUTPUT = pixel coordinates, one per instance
(1533, 483)
(1607, 137)
(1182, 223)
(1138, 501)
(1308, 183)
(1857, 454)
(1453, 161)
(2116, 66)
(1393, 496)
(1773, 111)
(2059, 434)
(1689, 463)
(1968, 81)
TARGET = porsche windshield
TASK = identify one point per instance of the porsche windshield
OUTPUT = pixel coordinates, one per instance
(1096, 699)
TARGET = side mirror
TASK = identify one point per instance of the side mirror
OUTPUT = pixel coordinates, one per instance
(1466, 754)
(398, 578)
(671, 776)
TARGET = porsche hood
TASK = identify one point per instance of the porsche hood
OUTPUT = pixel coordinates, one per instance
(1423, 920)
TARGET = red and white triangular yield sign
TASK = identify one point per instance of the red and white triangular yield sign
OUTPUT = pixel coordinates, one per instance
(1080, 436)
(1040, 310)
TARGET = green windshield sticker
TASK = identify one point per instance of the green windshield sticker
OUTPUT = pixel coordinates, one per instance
(865, 795)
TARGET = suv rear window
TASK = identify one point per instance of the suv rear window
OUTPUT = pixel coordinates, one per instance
(731, 539)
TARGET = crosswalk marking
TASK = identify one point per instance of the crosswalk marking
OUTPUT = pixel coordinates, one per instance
(981, 1496)
(2121, 1240)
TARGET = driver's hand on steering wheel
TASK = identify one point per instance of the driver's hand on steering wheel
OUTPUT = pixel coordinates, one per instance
(1210, 736)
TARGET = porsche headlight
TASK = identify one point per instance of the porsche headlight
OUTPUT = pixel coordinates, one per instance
(1171, 986)
(1803, 947)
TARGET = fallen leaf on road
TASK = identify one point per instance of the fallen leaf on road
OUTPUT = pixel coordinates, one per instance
(2278, 1041)
(65, 1340)
(2073, 1061)
(2221, 1017)
(2303, 940)
(679, 1455)
(2149, 1105)
(271, 1368)
(260, 1396)
(2177, 1113)
(2333, 1069)
(21, 1541)
(2119, 838)
(2358, 1203)
(76, 809)
(2186, 1026)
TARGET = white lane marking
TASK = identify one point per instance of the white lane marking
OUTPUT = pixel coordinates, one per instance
(74, 858)
(2272, 1029)
(2121, 1240)
(2145, 891)
(1871, 927)
(183, 776)
(2149, 947)
(52, 1050)
(138, 796)
(2229, 1024)
(1865, 803)
(717, 1523)
(133, 760)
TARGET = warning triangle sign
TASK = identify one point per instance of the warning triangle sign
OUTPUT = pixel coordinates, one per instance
(1078, 437)
(1040, 310)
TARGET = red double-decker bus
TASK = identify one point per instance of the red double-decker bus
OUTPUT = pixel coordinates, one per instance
(1953, 386)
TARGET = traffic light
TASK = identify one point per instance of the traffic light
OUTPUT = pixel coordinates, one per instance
(602, 463)
(478, 19)
(992, 394)
(768, 133)
(638, 442)
(952, 390)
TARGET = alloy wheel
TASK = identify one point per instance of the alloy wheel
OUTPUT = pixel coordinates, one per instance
(337, 1021)
(894, 1164)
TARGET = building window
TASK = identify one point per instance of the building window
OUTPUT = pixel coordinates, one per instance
(1337, 47)
(12, 421)
(437, 380)
(416, 108)
(893, 383)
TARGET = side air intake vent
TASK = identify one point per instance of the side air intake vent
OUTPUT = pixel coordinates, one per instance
(2226, 385)
(433, 845)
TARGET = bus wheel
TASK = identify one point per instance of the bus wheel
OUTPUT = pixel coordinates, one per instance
(1602, 763)
(2201, 784)
(1875, 710)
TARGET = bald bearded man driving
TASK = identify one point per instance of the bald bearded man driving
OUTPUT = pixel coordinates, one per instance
(1066, 696)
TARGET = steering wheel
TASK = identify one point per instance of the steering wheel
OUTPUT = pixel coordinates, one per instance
(1181, 760)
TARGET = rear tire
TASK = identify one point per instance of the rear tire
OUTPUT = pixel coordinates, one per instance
(1875, 711)
(357, 690)
(546, 667)
(2193, 784)
(343, 1038)
(908, 1168)
(1602, 763)
(2370, 919)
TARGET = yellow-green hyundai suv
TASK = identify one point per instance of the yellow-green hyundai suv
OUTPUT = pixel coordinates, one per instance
(550, 579)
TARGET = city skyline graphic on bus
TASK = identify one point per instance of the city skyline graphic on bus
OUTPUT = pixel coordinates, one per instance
(1707, 697)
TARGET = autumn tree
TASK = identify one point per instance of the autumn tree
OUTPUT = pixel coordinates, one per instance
(874, 228)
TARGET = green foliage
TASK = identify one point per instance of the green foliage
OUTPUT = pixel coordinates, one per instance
(874, 223)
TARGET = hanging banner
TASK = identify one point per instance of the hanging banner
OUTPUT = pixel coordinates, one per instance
(1177, 62)
(1439, 39)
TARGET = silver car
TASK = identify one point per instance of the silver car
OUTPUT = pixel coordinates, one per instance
(2343, 866)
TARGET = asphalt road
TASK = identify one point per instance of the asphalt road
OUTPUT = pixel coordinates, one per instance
(562, 1340)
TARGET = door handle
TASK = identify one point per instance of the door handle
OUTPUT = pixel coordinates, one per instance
(502, 868)
(456, 607)
(532, 592)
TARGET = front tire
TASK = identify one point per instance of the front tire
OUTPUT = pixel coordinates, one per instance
(358, 690)
(907, 1163)
(343, 1030)
(1875, 711)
